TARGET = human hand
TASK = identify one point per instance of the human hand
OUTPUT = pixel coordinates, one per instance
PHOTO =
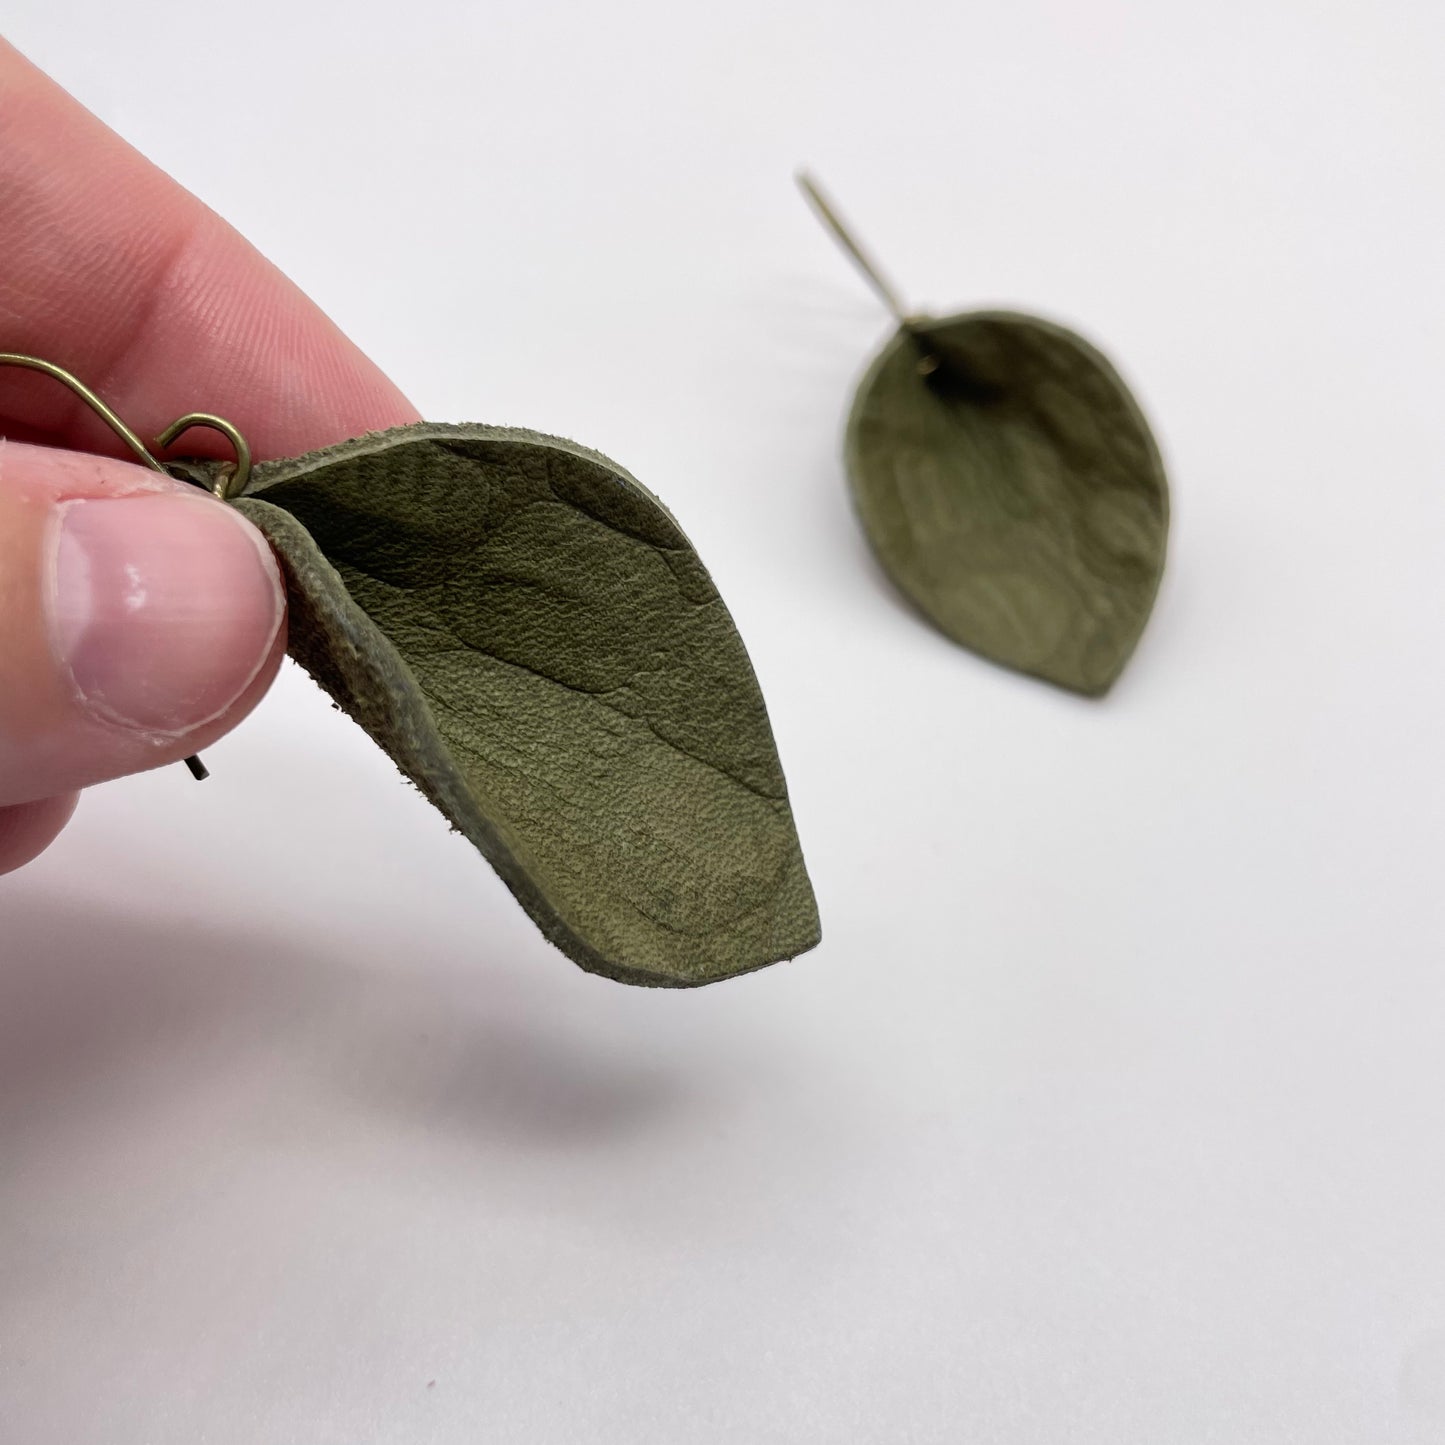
(140, 619)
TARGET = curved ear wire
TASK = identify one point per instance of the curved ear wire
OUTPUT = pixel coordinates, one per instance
(827, 212)
(34, 363)
(228, 484)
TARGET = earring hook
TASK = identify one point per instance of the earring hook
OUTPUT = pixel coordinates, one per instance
(227, 485)
(34, 363)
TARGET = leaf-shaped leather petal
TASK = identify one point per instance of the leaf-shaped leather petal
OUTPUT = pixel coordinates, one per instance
(530, 636)
(1011, 488)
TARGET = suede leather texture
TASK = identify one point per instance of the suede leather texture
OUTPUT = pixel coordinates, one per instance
(527, 632)
(1012, 489)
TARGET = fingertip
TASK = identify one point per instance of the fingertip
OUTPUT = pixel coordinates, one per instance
(143, 620)
(162, 609)
(28, 829)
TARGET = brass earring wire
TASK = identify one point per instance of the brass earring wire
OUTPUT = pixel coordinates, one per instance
(230, 483)
(867, 267)
(827, 212)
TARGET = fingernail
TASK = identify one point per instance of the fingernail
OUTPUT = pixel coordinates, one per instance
(163, 608)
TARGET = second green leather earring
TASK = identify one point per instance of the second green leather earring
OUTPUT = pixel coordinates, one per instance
(1009, 484)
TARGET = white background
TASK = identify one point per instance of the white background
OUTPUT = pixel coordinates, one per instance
(1112, 1108)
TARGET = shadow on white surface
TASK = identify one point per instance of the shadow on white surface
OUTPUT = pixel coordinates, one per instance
(99, 1009)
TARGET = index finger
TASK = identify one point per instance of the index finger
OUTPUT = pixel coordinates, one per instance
(118, 274)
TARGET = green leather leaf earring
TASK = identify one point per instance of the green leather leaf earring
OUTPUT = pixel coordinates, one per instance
(1008, 484)
(526, 631)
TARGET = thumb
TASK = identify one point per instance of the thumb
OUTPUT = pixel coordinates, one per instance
(140, 620)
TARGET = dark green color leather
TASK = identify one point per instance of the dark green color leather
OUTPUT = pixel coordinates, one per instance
(1011, 488)
(528, 633)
